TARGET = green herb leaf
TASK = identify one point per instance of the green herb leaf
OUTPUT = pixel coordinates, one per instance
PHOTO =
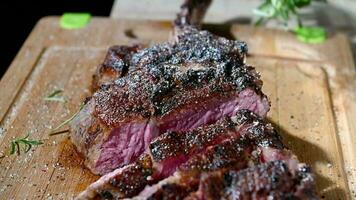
(312, 35)
(55, 96)
(33, 142)
(280, 10)
(13, 147)
(55, 93)
(302, 3)
(25, 143)
(265, 10)
(277, 4)
(259, 21)
(74, 20)
(18, 148)
(53, 132)
(28, 148)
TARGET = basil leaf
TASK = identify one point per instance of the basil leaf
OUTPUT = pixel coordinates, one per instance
(312, 35)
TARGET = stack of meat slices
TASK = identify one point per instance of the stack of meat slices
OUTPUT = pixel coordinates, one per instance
(184, 120)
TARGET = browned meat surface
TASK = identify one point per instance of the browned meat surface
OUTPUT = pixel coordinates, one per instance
(115, 65)
(192, 12)
(228, 141)
(228, 154)
(272, 180)
(195, 80)
(184, 120)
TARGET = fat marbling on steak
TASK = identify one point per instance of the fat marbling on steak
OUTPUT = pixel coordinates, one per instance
(195, 79)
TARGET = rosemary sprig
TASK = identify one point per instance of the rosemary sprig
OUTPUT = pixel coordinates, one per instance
(55, 96)
(55, 132)
(25, 143)
(281, 10)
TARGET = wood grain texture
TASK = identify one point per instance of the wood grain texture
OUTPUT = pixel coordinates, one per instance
(312, 91)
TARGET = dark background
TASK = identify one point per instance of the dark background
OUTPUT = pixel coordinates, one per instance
(19, 17)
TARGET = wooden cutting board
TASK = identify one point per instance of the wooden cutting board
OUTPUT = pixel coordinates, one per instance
(311, 88)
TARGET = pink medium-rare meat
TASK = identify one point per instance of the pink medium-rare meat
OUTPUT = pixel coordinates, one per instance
(161, 118)
(128, 181)
(103, 155)
(175, 87)
(270, 171)
(233, 154)
(108, 123)
(172, 150)
(260, 176)
(197, 78)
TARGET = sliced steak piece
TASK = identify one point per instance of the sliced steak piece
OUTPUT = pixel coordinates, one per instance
(173, 149)
(272, 180)
(128, 114)
(233, 154)
(115, 65)
(180, 85)
(122, 182)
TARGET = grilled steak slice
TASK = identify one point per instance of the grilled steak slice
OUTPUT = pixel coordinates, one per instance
(187, 89)
(128, 180)
(115, 65)
(172, 150)
(231, 154)
(196, 79)
(174, 92)
(272, 180)
(123, 182)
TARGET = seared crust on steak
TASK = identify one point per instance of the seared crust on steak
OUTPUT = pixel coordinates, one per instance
(225, 143)
(195, 79)
(167, 82)
(169, 75)
(157, 91)
(226, 155)
(244, 124)
(116, 64)
(184, 120)
(272, 180)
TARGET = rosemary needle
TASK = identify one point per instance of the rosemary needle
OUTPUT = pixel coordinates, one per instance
(55, 96)
(65, 122)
